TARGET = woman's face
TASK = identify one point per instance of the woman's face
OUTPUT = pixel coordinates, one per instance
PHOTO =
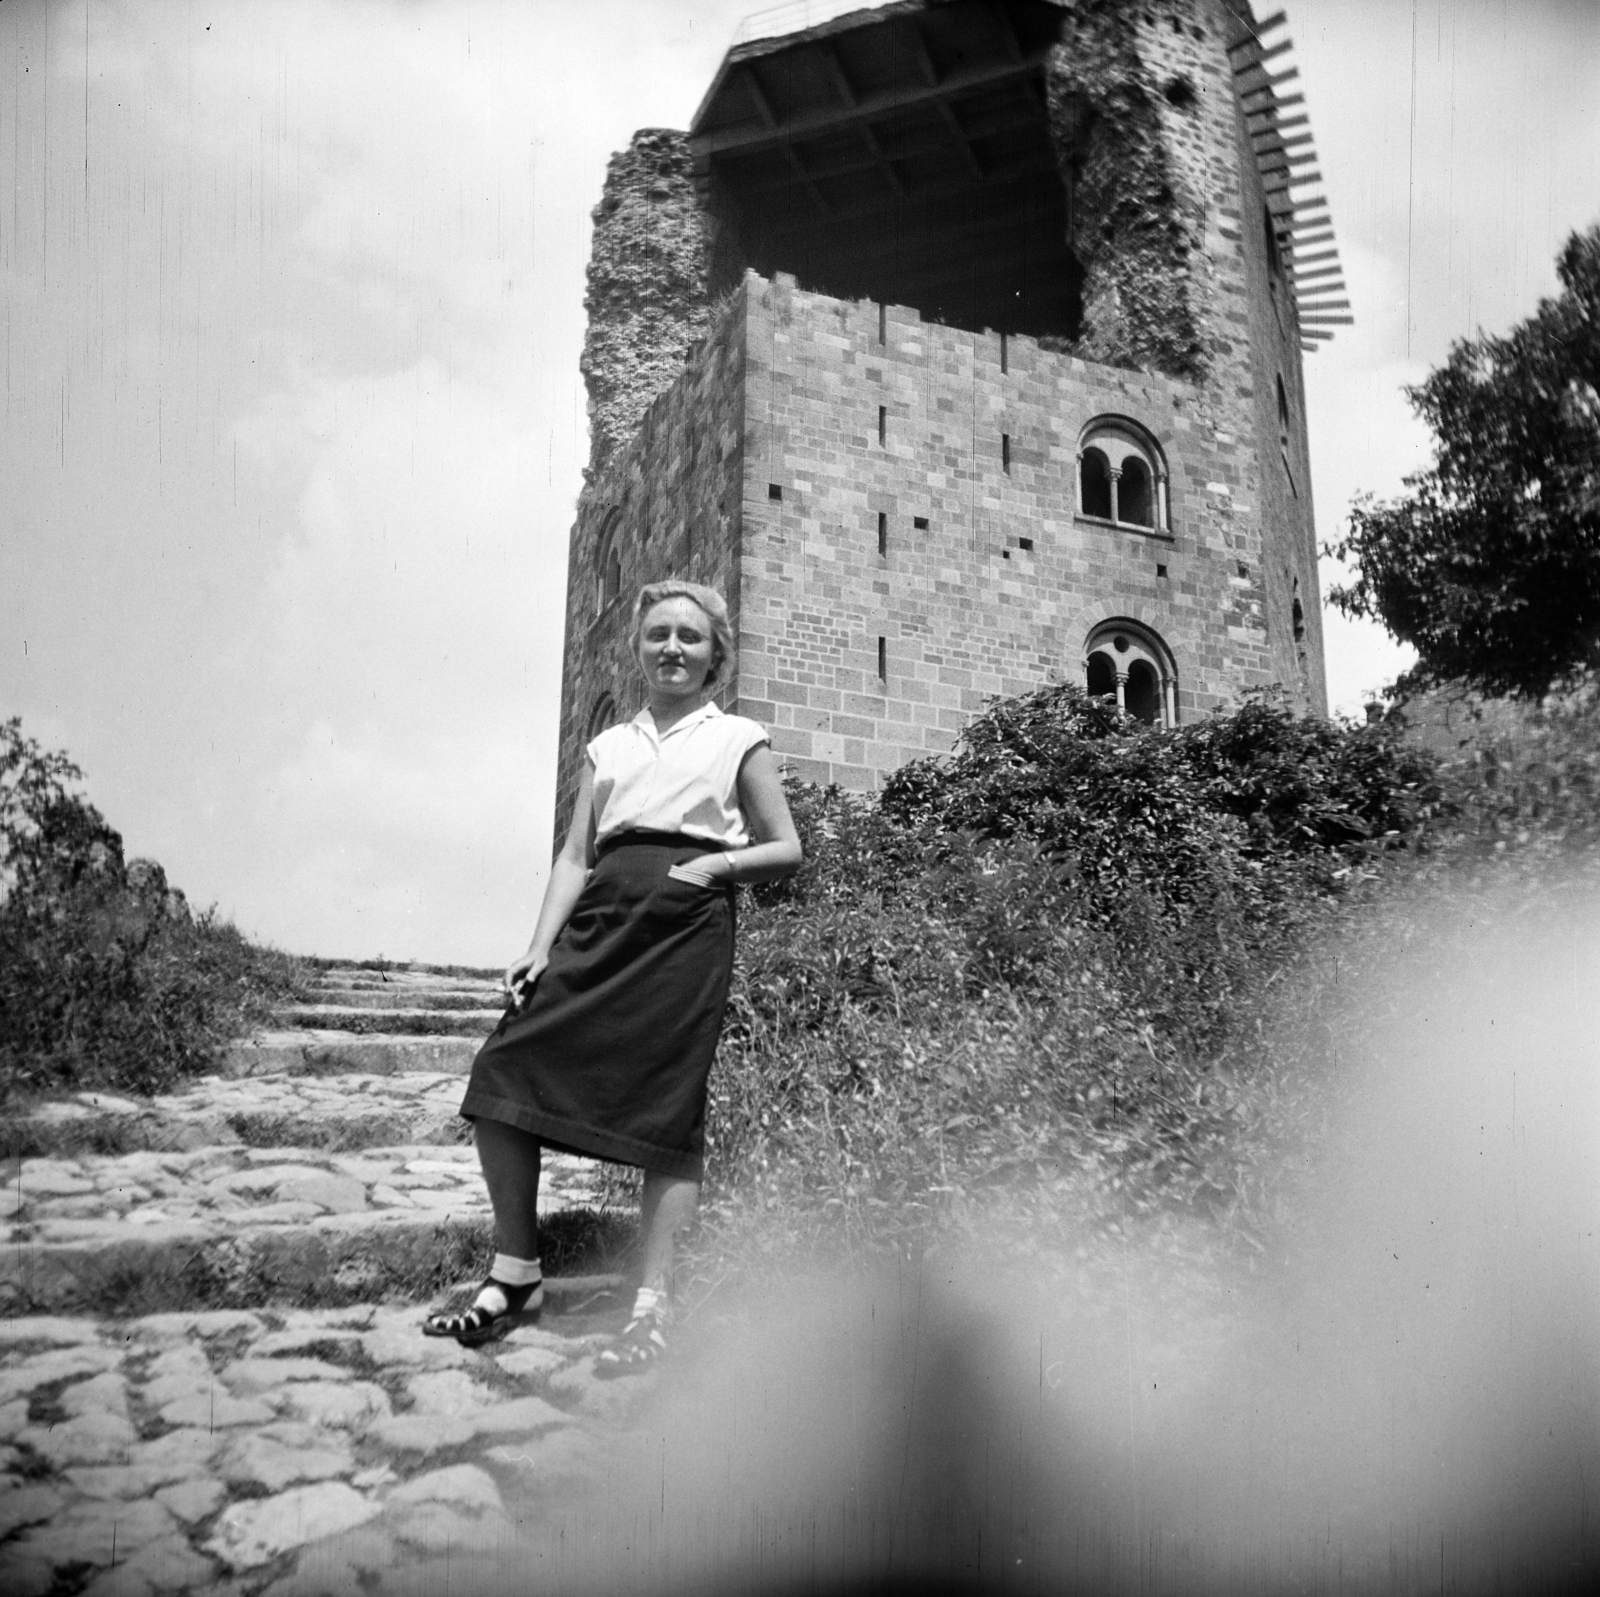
(676, 648)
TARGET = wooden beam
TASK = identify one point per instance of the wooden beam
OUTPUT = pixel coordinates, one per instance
(1276, 133)
(1252, 35)
(999, 178)
(1001, 19)
(930, 76)
(835, 70)
(1272, 107)
(883, 163)
(948, 116)
(1269, 87)
(879, 106)
(763, 105)
(1266, 164)
(1292, 182)
(796, 165)
(1042, 160)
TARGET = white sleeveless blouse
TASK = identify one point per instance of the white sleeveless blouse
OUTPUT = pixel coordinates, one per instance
(686, 780)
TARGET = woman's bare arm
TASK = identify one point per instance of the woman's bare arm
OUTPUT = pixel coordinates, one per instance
(568, 872)
(776, 850)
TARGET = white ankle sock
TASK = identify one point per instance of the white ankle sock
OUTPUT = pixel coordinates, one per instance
(515, 1272)
(649, 1300)
(506, 1271)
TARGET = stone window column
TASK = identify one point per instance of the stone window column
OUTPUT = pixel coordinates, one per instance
(1116, 515)
(1122, 690)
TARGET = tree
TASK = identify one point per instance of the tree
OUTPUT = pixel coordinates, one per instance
(48, 833)
(1490, 564)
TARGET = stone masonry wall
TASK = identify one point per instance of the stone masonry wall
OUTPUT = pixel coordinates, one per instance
(647, 298)
(1269, 334)
(1138, 205)
(964, 609)
(1179, 70)
(668, 502)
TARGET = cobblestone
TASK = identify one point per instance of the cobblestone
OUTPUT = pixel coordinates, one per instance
(277, 1447)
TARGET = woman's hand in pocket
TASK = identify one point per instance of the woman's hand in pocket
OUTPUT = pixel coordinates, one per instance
(697, 872)
(521, 976)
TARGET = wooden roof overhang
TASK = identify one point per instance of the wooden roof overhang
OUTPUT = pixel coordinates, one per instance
(901, 153)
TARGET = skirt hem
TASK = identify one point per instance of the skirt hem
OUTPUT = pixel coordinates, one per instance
(585, 1140)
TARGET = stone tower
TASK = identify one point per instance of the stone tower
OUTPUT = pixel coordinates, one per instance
(958, 343)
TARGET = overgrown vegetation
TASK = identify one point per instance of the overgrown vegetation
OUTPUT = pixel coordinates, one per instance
(107, 979)
(1041, 972)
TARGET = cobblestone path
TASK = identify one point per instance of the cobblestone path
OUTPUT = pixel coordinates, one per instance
(211, 1372)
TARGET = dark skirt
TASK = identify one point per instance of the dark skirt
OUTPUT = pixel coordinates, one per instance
(610, 1055)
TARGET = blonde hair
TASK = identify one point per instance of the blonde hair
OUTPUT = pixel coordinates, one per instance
(709, 600)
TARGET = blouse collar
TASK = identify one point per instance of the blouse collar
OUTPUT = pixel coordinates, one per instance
(647, 722)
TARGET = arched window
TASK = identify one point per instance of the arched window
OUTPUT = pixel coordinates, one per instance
(1128, 661)
(601, 716)
(1102, 676)
(1135, 494)
(1283, 436)
(608, 568)
(1297, 623)
(1121, 475)
(1096, 478)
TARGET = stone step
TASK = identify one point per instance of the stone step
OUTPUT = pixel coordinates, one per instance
(319, 1051)
(389, 998)
(263, 1111)
(404, 1022)
(237, 1226)
(428, 975)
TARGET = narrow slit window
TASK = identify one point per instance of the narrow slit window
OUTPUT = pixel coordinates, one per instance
(883, 532)
(883, 659)
(883, 321)
(1005, 452)
(1005, 355)
(883, 424)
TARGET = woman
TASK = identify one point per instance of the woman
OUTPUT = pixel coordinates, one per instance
(617, 1004)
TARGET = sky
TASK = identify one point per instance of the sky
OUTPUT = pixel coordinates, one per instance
(291, 429)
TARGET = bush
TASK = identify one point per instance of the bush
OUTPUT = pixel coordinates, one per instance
(1037, 969)
(106, 978)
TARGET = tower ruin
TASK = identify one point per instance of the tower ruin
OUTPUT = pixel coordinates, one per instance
(958, 342)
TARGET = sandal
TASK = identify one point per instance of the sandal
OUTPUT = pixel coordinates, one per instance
(476, 1326)
(640, 1345)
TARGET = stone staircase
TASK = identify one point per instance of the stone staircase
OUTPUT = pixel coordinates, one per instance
(211, 1372)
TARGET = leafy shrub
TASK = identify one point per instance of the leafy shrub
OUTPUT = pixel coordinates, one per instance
(1037, 970)
(106, 978)
(1515, 769)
